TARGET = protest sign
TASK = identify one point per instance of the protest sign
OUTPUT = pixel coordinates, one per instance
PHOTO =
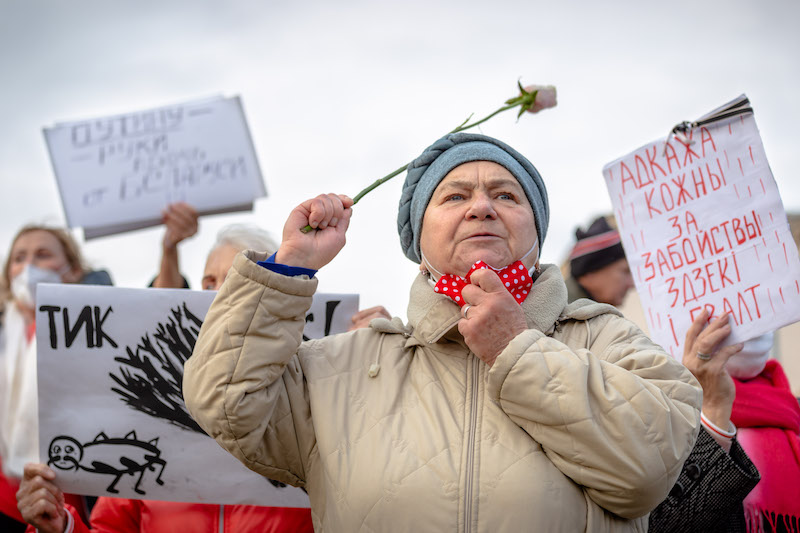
(703, 226)
(112, 421)
(118, 173)
(329, 313)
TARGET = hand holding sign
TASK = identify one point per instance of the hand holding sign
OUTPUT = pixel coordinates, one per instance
(365, 316)
(40, 502)
(180, 220)
(704, 357)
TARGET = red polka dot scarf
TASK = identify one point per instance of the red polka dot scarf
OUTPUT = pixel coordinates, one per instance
(515, 277)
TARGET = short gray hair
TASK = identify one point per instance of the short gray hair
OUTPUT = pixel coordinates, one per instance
(246, 237)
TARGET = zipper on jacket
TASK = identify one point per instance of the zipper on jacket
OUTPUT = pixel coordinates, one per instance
(473, 422)
(221, 519)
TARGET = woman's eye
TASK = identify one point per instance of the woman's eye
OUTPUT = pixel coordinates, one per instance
(455, 197)
(505, 196)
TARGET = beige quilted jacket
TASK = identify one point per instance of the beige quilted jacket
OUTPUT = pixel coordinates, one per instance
(582, 424)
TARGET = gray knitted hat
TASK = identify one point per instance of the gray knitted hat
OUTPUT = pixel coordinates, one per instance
(429, 169)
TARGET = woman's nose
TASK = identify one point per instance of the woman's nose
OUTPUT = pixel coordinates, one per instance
(481, 207)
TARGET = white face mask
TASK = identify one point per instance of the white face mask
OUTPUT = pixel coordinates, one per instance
(750, 362)
(435, 274)
(23, 286)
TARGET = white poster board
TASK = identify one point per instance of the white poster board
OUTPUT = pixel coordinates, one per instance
(112, 421)
(118, 173)
(703, 226)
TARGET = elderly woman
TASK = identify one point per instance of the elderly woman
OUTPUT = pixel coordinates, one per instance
(511, 413)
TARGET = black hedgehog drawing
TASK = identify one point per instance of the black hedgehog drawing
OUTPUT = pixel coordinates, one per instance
(150, 377)
(151, 374)
(109, 456)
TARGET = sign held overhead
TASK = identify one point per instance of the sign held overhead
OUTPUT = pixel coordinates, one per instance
(118, 173)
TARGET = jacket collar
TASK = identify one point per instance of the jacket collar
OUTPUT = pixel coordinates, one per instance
(434, 316)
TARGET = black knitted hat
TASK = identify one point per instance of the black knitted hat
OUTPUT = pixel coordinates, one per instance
(597, 247)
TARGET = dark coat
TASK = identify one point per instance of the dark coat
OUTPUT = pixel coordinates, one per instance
(709, 492)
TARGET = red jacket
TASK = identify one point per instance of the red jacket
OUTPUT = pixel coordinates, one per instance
(119, 515)
(8, 496)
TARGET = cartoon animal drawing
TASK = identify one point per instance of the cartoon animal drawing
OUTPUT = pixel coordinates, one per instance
(109, 456)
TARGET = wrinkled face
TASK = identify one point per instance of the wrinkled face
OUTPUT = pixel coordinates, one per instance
(65, 453)
(217, 265)
(610, 284)
(478, 212)
(40, 248)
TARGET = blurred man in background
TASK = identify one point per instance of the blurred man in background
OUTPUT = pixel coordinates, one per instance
(599, 270)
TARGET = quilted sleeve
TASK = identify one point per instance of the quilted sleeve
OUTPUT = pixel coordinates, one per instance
(243, 383)
(618, 418)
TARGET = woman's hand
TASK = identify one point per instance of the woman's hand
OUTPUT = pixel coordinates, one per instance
(492, 317)
(365, 316)
(718, 388)
(181, 221)
(39, 501)
(329, 215)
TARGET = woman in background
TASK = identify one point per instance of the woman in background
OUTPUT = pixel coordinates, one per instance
(38, 254)
(45, 254)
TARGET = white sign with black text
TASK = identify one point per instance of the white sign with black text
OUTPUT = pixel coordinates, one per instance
(112, 421)
(118, 173)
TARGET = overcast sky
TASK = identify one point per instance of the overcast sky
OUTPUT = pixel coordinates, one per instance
(338, 94)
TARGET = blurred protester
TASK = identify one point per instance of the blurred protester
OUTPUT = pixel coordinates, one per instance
(38, 254)
(512, 412)
(767, 416)
(598, 268)
(231, 240)
(43, 254)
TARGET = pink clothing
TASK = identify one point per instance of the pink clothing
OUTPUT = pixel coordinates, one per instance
(119, 515)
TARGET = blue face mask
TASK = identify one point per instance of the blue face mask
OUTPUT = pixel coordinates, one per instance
(23, 286)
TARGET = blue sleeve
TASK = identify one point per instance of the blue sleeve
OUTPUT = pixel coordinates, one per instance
(286, 270)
